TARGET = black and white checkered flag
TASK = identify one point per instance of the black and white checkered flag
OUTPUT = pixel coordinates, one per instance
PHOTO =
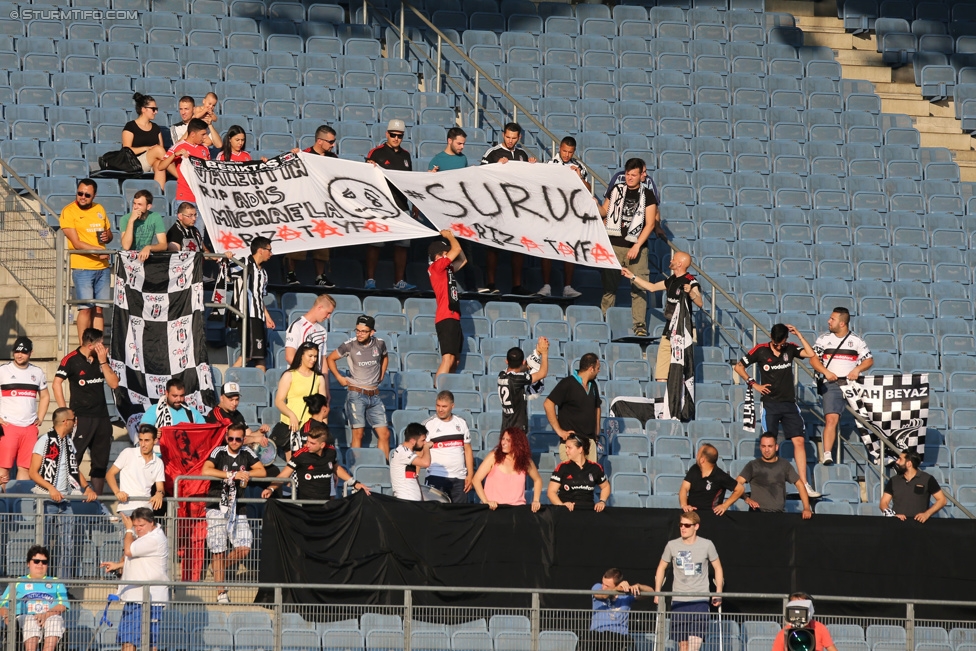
(158, 330)
(898, 405)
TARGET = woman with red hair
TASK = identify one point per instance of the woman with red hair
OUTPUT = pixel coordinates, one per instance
(503, 472)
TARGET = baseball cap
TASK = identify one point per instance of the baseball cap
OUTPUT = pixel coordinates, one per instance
(23, 345)
(231, 389)
(366, 320)
(440, 245)
(396, 125)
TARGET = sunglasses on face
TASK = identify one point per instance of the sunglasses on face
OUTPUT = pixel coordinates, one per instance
(396, 135)
(151, 108)
(685, 526)
(235, 439)
(39, 561)
(86, 195)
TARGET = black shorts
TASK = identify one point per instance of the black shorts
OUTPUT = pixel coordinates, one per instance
(449, 336)
(94, 435)
(256, 346)
(786, 413)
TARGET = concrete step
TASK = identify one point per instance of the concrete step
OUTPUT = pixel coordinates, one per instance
(831, 40)
(967, 158)
(962, 141)
(822, 24)
(933, 124)
(859, 58)
(916, 107)
(897, 88)
(868, 72)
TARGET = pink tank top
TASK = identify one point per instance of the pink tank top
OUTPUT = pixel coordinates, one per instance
(505, 488)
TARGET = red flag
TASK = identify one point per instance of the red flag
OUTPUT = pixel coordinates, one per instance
(185, 448)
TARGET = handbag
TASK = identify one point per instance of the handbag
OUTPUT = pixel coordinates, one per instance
(821, 384)
(123, 160)
(282, 435)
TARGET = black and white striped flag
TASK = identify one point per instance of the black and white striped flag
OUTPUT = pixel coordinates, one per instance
(158, 330)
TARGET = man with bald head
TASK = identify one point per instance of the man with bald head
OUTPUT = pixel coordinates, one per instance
(679, 286)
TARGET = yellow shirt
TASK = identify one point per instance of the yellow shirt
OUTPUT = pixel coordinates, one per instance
(88, 224)
(301, 386)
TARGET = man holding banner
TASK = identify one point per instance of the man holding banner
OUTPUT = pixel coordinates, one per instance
(446, 259)
(391, 156)
(630, 215)
(508, 149)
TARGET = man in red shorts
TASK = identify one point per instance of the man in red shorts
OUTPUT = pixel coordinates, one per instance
(23, 404)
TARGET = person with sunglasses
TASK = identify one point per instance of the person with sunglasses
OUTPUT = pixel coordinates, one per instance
(145, 138)
(368, 362)
(231, 465)
(85, 226)
(574, 481)
(391, 156)
(324, 145)
(689, 557)
(39, 602)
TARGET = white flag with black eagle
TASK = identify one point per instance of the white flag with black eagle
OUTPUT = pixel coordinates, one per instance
(158, 330)
(679, 395)
(898, 405)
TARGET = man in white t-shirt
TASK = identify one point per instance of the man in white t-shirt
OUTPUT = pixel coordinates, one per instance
(451, 459)
(136, 471)
(405, 459)
(308, 327)
(841, 354)
(23, 404)
(145, 558)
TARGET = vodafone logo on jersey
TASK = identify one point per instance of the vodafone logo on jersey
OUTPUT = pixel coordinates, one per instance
(19, 393)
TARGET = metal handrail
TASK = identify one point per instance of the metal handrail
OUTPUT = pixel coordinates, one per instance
(479, 72)
(9, 170)
(63, 276)
(757, 326)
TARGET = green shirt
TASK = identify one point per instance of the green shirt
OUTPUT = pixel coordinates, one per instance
(145, 231)
(444, 161)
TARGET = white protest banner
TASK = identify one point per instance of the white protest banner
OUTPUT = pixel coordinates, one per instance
(298, 201)
(542, 210)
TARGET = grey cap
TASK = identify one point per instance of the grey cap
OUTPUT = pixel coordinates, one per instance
(396, 125)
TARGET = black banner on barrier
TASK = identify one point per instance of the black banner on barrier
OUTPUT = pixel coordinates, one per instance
(380, 540)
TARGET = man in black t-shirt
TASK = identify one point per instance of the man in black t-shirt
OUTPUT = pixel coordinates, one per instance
(324, 145)
(513, 381)
(911, 489)
(577, 398)
(226, 413)
(679, 287)
(705, 484)
(504, 151)
(630, 215)
(231, 465)
(184, 234)
(392, 156)
(777, 386)
(314, 466)
(87, 371)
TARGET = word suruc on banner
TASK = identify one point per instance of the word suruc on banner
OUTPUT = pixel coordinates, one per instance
(540, 210)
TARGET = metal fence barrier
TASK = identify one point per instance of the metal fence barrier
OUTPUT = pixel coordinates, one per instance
(191, 622)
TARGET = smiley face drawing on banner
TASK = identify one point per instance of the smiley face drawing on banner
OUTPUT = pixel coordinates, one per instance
(361, 199)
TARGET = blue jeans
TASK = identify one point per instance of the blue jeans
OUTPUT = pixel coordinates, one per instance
(59, 534)
(362, 410)
(92, 284)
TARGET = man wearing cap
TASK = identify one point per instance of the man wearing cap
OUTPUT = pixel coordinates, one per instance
(367, 367)
(391, 156)
(445, 260)
(171, 410)
(226, 413)
(23, 404)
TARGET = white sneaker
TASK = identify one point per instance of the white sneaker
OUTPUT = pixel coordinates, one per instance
(811, 492)
(545, 290)
(570, 292)
(828, 459)
(223, 598)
